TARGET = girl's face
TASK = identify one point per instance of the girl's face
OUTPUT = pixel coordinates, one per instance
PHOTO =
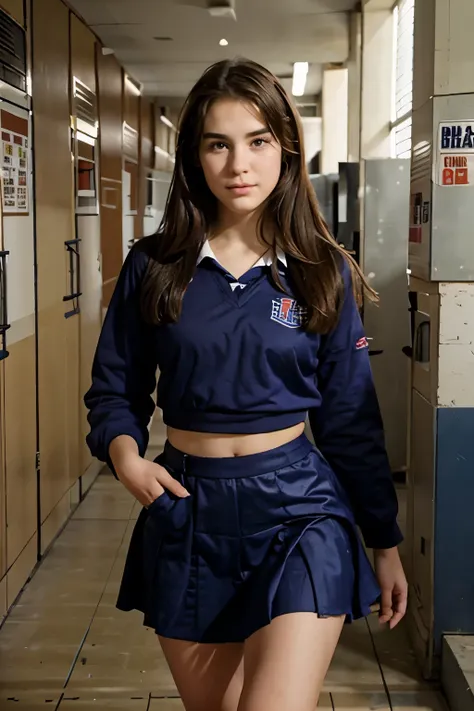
(240, 158)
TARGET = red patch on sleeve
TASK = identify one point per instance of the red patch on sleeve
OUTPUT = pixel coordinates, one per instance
(362, 343)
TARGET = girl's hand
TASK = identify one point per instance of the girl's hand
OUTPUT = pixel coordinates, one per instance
(394, 586)
(146, 480)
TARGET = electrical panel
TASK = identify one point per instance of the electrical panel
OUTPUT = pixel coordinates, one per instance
(441, 247)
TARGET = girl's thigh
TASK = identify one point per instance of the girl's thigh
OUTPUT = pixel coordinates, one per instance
(208, 677)
(287, 661)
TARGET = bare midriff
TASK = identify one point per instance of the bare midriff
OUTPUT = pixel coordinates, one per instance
(208, 444)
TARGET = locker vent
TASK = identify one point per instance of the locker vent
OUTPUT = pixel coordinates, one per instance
(12, 52)
(85, 103)
(421, 161)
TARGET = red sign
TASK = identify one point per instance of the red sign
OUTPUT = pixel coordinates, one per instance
(455, 170)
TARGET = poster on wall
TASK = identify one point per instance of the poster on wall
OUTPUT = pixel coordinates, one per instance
(455, 149)
(15, 172)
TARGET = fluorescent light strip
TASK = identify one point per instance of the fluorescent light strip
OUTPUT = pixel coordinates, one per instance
(163, 153)
(167, 122)
(300, 74)
(134, 89)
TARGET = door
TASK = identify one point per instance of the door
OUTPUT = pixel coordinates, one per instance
(58, 331)
(421, 517)
(3, 493)
(19, 361)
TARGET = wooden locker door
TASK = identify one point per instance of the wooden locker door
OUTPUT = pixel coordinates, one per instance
(3, 503)
(57, 335)
(15, 9)
(19, 366)
(110, 90)
(3, 490)
(87, 226)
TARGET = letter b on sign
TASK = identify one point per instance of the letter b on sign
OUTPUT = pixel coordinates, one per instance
(445, 137)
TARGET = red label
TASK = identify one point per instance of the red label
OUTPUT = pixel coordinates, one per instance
(362, 343)
(415, 234)
(461, 176)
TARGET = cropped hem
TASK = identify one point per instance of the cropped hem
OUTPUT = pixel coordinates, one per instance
(385, 537)
(137, 436)
(231, 423)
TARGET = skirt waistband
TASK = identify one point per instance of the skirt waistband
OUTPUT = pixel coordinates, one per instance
(237, 467)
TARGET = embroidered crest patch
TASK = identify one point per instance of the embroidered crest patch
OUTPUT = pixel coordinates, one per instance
(288, 312)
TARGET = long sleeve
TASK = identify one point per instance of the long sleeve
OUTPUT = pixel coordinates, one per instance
(348, 428)
(124, 367)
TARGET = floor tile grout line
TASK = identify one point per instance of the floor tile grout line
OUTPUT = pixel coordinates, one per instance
(81, 644)
(101, 518)
(379, 663)
(76, 656)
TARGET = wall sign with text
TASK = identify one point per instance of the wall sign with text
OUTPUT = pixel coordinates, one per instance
(14, 155)
(455, 154)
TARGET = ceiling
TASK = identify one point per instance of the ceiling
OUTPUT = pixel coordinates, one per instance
(276, 33)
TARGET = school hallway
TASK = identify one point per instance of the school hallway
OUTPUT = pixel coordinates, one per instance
(65, 645)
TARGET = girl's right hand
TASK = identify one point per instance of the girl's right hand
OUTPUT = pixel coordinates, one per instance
(146, 480)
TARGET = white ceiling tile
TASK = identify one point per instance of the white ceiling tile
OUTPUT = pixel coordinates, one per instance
(275, 33)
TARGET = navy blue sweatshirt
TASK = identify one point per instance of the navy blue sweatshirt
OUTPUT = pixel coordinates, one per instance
(238, 361)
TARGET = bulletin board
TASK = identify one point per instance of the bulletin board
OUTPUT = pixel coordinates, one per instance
(14, 156)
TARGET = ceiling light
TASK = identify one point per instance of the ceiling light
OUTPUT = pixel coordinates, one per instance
(300, 73)
(166, 121)
(223, 43)
(132, 86)
(223, 9)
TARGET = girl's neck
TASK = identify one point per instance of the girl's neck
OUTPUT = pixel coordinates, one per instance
(238, 230)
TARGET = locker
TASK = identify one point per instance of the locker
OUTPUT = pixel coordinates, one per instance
(18, 485)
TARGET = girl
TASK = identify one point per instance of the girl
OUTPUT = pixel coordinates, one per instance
(245, 558)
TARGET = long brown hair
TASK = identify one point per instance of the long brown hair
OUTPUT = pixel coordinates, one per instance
(291, 213)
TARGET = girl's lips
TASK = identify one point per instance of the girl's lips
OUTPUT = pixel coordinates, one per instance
(241, 189)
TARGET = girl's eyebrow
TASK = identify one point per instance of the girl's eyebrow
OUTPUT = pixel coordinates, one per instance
(222, 136)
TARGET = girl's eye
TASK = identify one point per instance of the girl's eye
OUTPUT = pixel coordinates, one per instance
(218, 146)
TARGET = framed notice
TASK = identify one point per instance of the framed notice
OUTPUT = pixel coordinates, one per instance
(14, 164)
(455, 159)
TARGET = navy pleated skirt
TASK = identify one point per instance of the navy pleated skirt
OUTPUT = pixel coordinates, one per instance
(260, 536)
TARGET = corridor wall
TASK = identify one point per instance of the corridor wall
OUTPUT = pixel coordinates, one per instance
(18, 520)
(131, 228)
(15, 9)
(147, 161)
(45, 467)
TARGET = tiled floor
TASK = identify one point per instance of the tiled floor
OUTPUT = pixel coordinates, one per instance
(66, 647)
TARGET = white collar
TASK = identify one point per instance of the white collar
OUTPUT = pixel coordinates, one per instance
(265, 261)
